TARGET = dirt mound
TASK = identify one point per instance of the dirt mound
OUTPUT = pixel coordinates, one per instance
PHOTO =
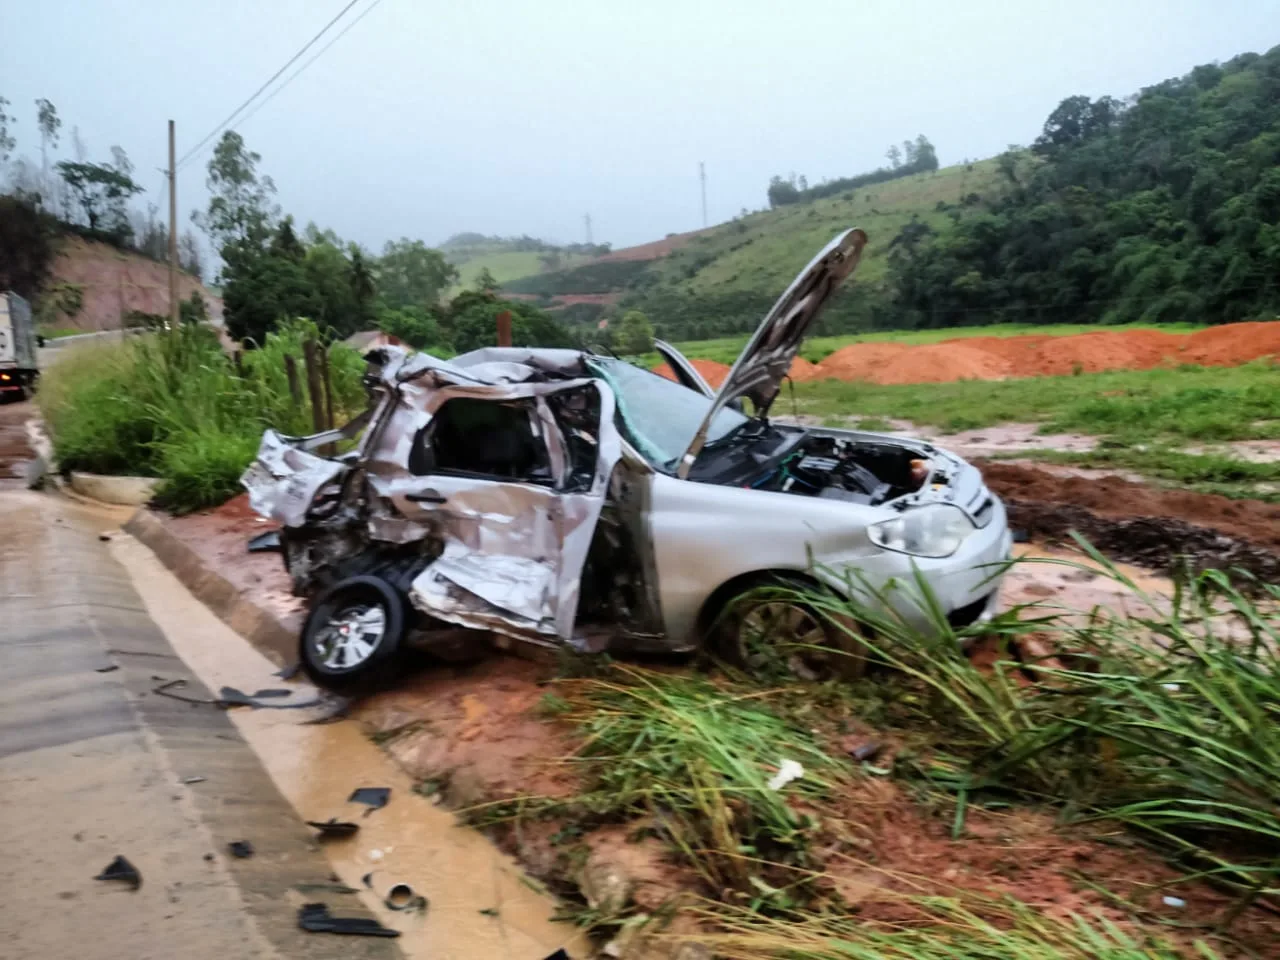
(113, 282)
(712, 372)
(1160, 529)
(996, 358)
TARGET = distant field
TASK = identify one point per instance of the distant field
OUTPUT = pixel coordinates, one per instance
(726, 349)
(1184, 404)
(507, 265)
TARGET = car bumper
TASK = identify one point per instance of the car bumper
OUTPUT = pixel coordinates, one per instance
(965, 586)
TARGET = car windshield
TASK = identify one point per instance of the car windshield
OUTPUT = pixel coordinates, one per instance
(659, 416)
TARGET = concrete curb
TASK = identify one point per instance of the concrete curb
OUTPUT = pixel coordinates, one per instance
(243, 616)
(124, 491)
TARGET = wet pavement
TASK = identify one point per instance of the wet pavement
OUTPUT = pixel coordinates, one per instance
(95, 764)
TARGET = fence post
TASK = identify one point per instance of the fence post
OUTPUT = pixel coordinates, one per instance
(291, 371)
(504, 328)
(313, 385)
(328, 388)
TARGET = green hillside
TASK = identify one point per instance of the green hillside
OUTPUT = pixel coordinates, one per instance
(722, 279)
(507, 258)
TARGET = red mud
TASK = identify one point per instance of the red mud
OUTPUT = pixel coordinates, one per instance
(1251, 520)
(650, 251)
(999, 358)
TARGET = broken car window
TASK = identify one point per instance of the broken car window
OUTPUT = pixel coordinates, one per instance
(659, 416)
(482, 438)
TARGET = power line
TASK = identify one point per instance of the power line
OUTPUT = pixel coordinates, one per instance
(293, 76)
(290, 62)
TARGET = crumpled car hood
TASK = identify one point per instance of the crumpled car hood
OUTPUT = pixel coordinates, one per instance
(284, 480)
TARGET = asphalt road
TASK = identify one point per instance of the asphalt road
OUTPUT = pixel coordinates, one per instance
(92, 765)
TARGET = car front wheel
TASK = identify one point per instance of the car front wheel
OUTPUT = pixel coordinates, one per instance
(772, 636)
(352, 632)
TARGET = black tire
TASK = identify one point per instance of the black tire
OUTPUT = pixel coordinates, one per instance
(769, 634)
(346, 618)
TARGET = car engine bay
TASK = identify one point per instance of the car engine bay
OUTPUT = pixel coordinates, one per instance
(788, 460)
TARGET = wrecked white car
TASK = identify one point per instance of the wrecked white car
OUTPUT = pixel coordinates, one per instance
(561, 497)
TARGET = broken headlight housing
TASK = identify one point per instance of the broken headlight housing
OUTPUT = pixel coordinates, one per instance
(936, 530)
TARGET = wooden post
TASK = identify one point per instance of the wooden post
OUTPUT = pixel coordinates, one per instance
(313, 385)
(174, 313)
(504, 328)
(291, 371)
(328, 388)
(238, 360)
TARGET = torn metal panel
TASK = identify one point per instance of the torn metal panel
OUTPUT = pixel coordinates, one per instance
(284, 480)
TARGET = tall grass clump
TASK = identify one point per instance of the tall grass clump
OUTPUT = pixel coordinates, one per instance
(965, 926)
(1165, 718)
(696, 759)
(173, 405)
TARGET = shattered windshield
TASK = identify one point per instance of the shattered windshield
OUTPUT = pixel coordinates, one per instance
(659, 416)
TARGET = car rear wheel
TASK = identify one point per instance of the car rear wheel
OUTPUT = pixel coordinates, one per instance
(353, 630)
(772, 636)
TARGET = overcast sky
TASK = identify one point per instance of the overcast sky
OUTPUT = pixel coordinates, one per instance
(519, 116)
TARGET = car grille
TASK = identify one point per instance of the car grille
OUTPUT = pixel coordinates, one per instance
(982, 516)
(968, 614)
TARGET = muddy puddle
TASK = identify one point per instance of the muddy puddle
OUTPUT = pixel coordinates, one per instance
(479, 902)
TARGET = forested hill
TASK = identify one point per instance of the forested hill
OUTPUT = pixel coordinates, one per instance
(1161, 207)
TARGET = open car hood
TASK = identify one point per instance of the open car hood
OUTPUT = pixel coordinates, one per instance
(757, 373)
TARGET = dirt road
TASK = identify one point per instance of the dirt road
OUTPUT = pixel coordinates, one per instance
(15, 452)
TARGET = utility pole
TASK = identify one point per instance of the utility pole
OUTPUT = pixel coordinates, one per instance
(586, 218)
(702, 176)
(174, 317)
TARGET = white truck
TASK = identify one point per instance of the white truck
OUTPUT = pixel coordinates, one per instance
(18, 370)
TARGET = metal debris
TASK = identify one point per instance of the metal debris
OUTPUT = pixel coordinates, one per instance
(268, 542)
(188, 780)
(240, 849)
(333, 828)
(375, 798)
(315, 918)
(402, 897)
(107, 669)
(122, 870)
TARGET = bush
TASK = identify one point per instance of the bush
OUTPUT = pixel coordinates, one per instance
(173, 405)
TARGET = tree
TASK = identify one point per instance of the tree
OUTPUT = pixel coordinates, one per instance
(782, 192)
(634, 333)
(409, 273)
(102, 192)
(471, 323)
(925, 157)
(414, 325)
(27, 238)
(485, 281)
(242, 206)
(190, 257)
(50, 124)
(895, 157)
(7, 141)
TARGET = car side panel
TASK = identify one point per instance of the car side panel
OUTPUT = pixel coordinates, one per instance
(705, 535)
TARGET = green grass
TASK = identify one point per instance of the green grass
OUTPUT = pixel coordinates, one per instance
(172, 405)
(726, 349)
(1183, 404)
(52, 333)
(763, 251)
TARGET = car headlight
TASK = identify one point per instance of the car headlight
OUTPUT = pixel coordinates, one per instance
(936, 530)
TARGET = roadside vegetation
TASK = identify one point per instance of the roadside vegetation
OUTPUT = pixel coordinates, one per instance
(1157, 729)
(173, 405)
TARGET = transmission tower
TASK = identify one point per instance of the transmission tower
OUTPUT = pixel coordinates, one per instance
(586, 219)
(702, 176)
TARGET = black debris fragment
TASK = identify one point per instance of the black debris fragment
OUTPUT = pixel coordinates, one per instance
(122, 870)
(268, 542)
(166, 690)
(489, 912)
(402, 897)
(188, 780)
(375, 798)
(241, 849)
(208, 858)
(367, 879)
(333, 828)
(289, 672)
(1020, 536)
(338, 708)
(231, 697)
(867, 750)
(108, 668)
(559, 955)
(271, 692)
(315, 918)
(104, 538)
